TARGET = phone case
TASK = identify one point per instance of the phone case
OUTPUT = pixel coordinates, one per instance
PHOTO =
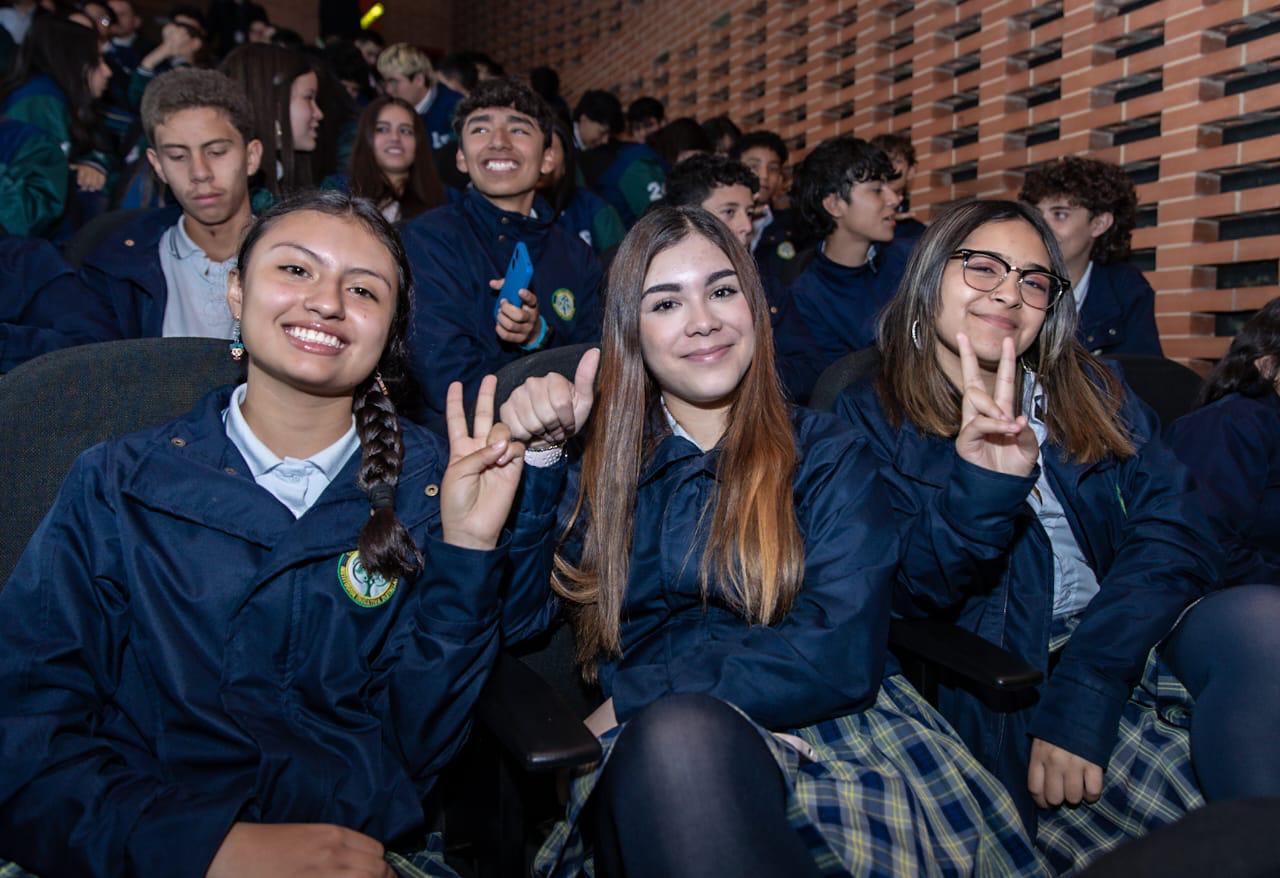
(519, 274)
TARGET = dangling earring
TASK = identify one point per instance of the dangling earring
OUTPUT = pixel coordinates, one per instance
(279, 135)
(237, 346)
(382, 385)
(915, 335)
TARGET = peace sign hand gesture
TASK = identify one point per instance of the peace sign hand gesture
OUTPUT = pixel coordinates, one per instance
(990, 436)
(480, 482)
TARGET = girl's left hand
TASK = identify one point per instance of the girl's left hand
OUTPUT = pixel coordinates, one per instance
(480, 482)
(1056, 776)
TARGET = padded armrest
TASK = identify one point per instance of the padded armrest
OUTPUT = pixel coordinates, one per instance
(531, 721)
(964, 653)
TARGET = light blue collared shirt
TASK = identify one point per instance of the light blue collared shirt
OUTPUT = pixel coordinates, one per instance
(295, 483)
(1074, 583)
(676, 429)
(197, 301)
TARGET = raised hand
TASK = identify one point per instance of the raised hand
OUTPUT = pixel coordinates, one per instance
(483, 473)
(548, 410)
(990, 436)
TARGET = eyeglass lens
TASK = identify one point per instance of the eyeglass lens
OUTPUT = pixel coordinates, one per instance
(985, 273)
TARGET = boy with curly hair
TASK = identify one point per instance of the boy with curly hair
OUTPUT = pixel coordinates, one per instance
(1092, 208)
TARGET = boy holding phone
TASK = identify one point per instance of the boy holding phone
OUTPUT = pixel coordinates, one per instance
(465, 325)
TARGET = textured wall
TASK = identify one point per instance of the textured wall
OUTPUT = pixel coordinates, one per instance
(1183, 93)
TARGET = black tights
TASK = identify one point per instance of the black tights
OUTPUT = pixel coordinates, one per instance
(691, 789)
(1227, 653)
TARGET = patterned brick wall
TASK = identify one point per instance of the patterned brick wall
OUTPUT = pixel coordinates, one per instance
(1184, 93)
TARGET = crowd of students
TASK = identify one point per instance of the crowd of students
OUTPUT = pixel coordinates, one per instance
(253, 636)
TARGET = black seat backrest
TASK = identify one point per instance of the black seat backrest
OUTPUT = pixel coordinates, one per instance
(58, 405)
(845, 371)
(97, 230)
(1168, 387)
(563, 360)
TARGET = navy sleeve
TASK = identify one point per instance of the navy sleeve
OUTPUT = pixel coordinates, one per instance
(1163, 560)
(826, 657)
(529, 606)
(72, 800)
(1141, 334)
(794, 349)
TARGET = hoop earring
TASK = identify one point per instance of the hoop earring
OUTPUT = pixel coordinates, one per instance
(915, 335)
(237, 346)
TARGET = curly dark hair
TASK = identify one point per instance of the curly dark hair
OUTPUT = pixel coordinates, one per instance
(834, 166)
(1258, 339)
(1098, 187)
(767, 139)
(693, 180)
(896, 146)
(504, 92)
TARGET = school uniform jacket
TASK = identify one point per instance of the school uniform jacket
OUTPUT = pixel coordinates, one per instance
(31, 269)
(592, 219)
(178, 653)
(840, 304)
(825, 658)
(1232, 447)
(974, 551)
(1119, 313)
(630, 176)
(33, 179)
(455, 251)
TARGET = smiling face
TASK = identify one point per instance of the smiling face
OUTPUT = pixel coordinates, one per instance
(732, 206)
(304, 112)
(394, 141)
(697, 335)
(315, 304)
(504, 152)
(205, 161)
(989, 318)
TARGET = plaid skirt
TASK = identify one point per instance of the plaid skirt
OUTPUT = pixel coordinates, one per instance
(1149, 781)
(891, 791)
(427, 863)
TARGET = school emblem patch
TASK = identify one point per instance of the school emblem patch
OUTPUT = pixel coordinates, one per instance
(786, 250)
(365, 588)
(563, 304)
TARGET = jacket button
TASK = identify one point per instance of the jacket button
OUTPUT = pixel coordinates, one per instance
(431, 490)
(502, 237)
(1112, 331)
(128, 242)
(1090, 338)
(178, 441)
(506, 220)
(773, 309)
(231, 470)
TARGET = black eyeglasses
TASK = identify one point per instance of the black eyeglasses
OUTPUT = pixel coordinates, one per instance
(985, 272)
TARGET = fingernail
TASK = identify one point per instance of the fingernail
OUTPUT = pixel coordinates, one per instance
(500, 444)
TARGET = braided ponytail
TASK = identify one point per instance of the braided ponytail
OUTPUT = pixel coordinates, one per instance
(385, 545)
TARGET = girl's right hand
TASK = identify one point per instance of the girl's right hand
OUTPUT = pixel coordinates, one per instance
(990, 436)
(297, 849)
(548, 410)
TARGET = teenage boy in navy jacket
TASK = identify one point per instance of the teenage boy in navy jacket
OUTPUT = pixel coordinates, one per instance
(1092, 208)
(460, 253)
(842, 191)
(776, 238)
(407, 74)
(726, 188)
(627, 175)
(164, 273)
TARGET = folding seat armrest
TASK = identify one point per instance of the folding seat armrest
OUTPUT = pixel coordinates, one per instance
(961, 652)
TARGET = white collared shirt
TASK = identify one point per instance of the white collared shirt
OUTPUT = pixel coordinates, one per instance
(427, 100)
(197, 300)
(1074, 582)
(759, 224)
(295, 483)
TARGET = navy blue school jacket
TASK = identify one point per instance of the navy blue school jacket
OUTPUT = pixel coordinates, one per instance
(178, 653)
(1119, 313)
(31, 269)
(780, 244)
(825, 658)
(1232, 447)
(840, 304)
(438, 119)
(795, 352)
(630, 176)
(456, 250)
(974, 551)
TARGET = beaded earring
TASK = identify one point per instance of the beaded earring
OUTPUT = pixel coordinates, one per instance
(237, 346)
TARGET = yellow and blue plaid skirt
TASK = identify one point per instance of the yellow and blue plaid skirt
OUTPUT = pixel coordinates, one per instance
(891, 791)
(1149, 781)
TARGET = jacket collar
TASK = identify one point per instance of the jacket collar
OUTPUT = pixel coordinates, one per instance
(490, 218)
(132, 252)
(839, 276)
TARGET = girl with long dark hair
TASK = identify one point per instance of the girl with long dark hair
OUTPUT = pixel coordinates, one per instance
(246, 642)
(387, 165)
(1232, 446)
(578, 210)
(726, 564)
(1042, 511)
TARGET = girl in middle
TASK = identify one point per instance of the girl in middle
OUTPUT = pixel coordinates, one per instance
(727, 562)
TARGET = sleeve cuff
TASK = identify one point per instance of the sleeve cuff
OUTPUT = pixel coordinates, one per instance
(1078, 717)
(182, 820)
(981, 502)
(463, 582)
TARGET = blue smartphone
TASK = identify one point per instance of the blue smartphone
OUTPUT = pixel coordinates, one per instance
(519, 273)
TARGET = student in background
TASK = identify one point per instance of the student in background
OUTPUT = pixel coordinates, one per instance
(627, 175)
(902, 154)
(679, 139)
(1091, 206)
(385, 164)
(842, 191)
(645, 116)
(578, 210)
(182, 38)
(460, 253)
(776, 238)
(1231, 444)
(407, 74)
(282, 87)
(458, 72)
(33, 179)
(546, 82)
(726, 189)
(723, 133)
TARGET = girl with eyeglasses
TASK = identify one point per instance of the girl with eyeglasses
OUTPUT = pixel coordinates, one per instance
(1042, 511)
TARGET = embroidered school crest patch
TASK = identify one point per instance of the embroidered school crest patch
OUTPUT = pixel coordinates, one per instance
(365, 588)
(786, 250)
(562, 303)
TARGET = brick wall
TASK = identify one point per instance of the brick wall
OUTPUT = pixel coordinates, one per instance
(1185, 94)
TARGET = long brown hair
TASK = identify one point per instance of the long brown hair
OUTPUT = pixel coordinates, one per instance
(754, 548)
(422, 191)
(266, 73)
(1084, 396)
